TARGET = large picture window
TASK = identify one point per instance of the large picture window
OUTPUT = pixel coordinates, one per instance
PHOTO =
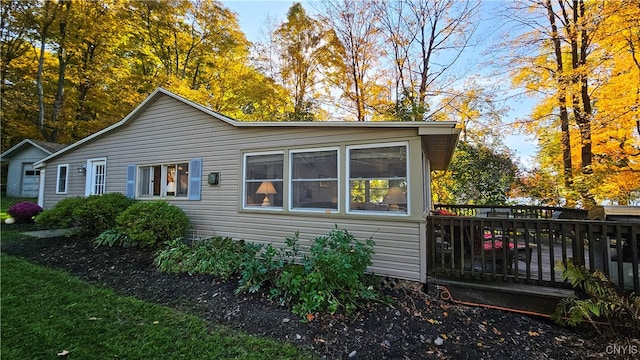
(165, 180)
(378, 178)
(263, 180)
(314, 179)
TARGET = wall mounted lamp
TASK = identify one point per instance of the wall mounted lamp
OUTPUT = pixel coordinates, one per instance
(82, 169)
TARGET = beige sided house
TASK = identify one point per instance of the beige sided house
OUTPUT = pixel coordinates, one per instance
(263, 181)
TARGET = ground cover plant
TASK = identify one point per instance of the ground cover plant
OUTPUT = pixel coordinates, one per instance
(219, 256)
(46, 313)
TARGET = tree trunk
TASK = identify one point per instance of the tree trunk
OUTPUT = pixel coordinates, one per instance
(562, 100)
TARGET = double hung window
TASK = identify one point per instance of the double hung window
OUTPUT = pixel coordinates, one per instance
(378, 178)
(314, 179)
(263, 180)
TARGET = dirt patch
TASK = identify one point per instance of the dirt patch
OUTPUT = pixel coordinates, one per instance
(416, 326)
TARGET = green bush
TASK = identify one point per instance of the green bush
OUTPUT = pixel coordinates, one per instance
(219, 256)
(98, 213)
(261, 264)
(330, 277)
(149, 223)
(598, 299)
(61, 216)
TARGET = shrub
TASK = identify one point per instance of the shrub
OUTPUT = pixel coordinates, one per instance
(330, 277)
(61, 215)
(98, 213)
(597, 299)
(149, 223)
(219, 256)
(24, 211)
(261, 264)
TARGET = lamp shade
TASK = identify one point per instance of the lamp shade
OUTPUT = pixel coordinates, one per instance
(394, 197)
(266, 188)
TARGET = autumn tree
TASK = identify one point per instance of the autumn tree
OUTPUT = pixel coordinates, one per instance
(424, 39)
(476, 108)
(306, 52)
(577, 57)
(554, 59)
(73, 67)
(356, 25)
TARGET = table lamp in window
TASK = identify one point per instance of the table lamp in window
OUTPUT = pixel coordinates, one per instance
(266, 189)
(394, 197)
(171, 187)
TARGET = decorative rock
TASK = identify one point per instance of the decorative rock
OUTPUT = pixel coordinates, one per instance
(438, 341)
(286, 320)
(9, 220)
(352, 354)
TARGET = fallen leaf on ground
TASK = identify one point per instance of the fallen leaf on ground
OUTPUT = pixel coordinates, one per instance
(534, 333)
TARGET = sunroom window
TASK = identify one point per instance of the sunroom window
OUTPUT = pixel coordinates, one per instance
(263, 178)
(314, 179)
(378, 178)
(167, 180)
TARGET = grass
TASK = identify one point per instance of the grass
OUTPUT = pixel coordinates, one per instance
(47, 312)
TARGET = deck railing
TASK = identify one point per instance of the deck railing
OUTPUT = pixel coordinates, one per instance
(498, 246)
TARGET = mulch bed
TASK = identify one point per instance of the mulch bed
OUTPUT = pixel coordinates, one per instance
(415, 326)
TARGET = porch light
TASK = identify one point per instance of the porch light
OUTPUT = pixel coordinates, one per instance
(394, 197)
(266, 188)
(82, 169)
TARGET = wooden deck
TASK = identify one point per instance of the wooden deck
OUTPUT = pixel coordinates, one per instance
(498, 250)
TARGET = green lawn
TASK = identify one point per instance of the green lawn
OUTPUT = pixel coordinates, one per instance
(47, 312)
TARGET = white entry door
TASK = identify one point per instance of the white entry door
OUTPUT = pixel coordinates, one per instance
(30, 181)
(96, 177)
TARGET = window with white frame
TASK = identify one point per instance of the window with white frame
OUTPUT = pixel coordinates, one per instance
(314, 179)
(263, 180)
(377, 178)
(62, 179)
(164, 180)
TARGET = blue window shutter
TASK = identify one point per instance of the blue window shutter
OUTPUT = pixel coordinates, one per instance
(131, 181)
(195, 179)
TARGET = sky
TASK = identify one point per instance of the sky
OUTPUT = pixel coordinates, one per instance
(253, 15)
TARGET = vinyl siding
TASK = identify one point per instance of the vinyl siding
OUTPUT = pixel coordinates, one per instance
(171, 131)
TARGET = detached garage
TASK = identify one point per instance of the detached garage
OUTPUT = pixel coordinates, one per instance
(22, 179)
